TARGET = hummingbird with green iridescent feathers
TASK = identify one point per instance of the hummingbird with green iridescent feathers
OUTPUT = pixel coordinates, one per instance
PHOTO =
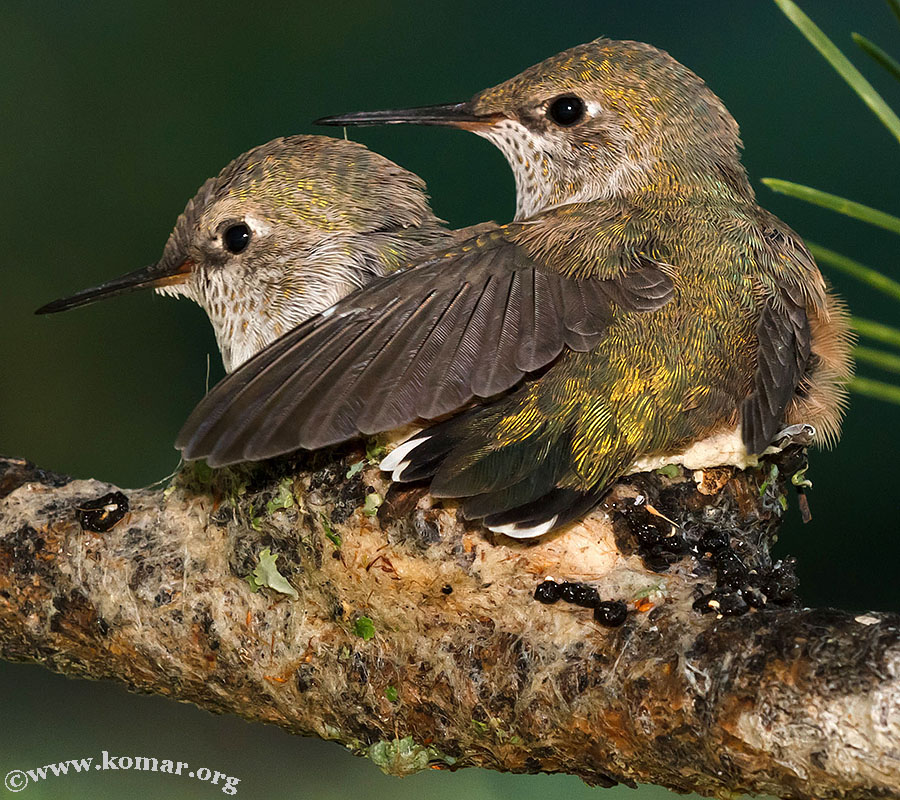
(281, 233)
(640, 310)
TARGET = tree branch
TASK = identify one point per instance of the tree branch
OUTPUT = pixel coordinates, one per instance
(415, 638)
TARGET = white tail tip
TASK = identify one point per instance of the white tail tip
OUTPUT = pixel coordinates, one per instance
(396, 461)
(516, 532)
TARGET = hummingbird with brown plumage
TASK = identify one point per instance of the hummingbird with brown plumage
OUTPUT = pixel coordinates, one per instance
(642, 309)
(280, 234)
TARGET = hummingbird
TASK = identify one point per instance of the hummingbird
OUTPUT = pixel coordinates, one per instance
(641, 309)
(282, 233)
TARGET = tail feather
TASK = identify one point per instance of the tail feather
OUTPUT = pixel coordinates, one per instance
(515, 489)
(557, 507)
(542, 479)
(418, 471)
(421, 455)
(482, 461)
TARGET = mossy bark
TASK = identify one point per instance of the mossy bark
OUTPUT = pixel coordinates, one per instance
(415, 637)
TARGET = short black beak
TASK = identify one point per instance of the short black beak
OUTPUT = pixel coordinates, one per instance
(457, 115)
(159, 274)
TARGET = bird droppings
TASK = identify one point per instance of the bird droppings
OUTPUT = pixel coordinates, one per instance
(611, 613)
(658, 542)
(103, 513)
(547, 592)
(702, 523)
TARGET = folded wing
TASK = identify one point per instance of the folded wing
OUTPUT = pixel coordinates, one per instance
(465, 324)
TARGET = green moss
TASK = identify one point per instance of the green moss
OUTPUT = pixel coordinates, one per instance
(228, 482)
(200, 472)
(372, 504)
(770, 479)
(364, 628)
(254, 518)
(329, 531)
(374, 451)
(669, 471)
(402, 757)
(284, 497)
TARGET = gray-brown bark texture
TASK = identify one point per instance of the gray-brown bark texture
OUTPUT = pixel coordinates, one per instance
(414, 637)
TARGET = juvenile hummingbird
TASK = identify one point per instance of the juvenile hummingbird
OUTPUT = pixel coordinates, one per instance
(641, 309)
(283, 232)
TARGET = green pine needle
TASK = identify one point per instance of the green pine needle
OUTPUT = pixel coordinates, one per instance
(866, 328)
(831, 201)
(894, 5)
(842, 65)
(862, 273)
(876, 330)
(877, 55)
(877, 358)
(877, 389)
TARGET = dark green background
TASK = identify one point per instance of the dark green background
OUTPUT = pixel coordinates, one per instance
(113, 114)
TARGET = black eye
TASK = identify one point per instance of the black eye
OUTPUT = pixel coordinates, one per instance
(236, 238)
(566, 110)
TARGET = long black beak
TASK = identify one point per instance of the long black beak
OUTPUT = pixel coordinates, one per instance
(159, 274)
(457, 115)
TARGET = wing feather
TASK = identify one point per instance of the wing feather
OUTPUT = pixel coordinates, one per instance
(420, 343)
(783, 351)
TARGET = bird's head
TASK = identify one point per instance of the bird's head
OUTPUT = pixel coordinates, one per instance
(283, 232)
(602, 120)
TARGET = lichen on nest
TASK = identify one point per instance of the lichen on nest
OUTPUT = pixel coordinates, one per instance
(410, 624)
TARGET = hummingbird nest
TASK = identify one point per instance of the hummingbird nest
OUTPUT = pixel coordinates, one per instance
(312, 593)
